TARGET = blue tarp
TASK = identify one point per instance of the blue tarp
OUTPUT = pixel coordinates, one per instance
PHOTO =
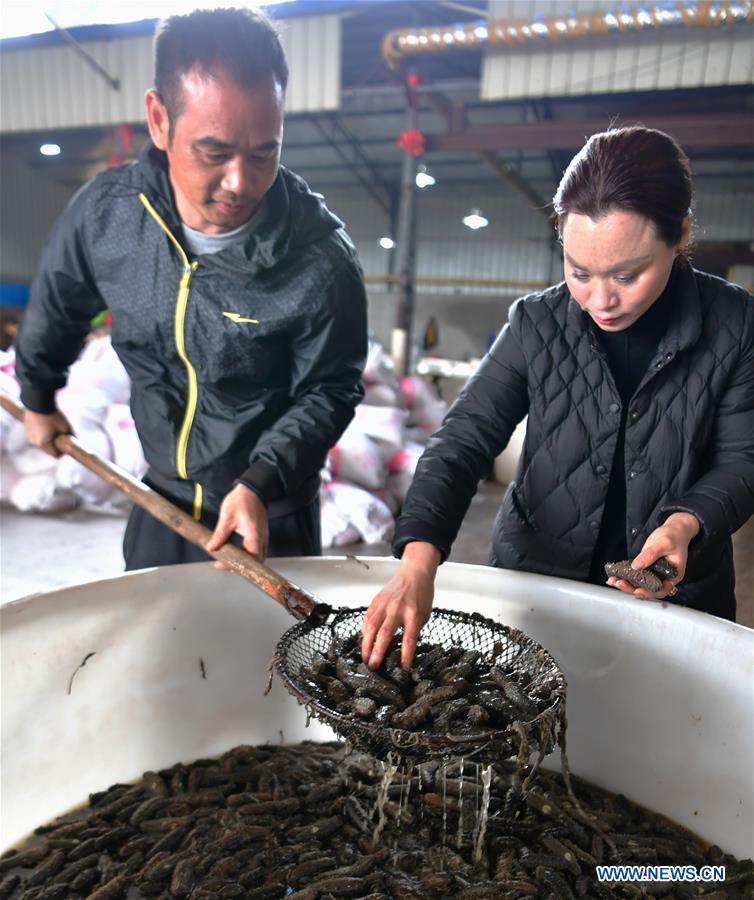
(13, 294)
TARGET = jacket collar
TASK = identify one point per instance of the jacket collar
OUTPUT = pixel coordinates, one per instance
(685, 326)
(295, 216)
(153, 166)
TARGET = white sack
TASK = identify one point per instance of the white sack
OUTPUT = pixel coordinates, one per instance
(424, 421)
(359, 509)
(84, 407)
(401, 470)
(126, 446)
(379, 367)
(336, 529)
(417, 392)
(39, 493)
(381, 395)
(71, 475)
(8, 385)
(384, 424)
(9, 477)
(357, 458)
(98, 367)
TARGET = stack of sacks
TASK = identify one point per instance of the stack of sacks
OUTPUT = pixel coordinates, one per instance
(95, 402)
(364, 483)
(28, 474)
(370, 469)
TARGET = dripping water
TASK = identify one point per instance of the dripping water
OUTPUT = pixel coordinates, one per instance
(459, 836)
(475, 831)
(484, 812)
(444, 803)
(390, 768)
(419, 793)
(400, 796)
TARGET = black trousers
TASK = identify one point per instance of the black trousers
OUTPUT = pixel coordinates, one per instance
(147, 542)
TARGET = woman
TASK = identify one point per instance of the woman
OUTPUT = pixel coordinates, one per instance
(637, 376)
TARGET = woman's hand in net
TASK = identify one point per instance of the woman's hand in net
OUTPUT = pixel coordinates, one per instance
(670, 540)
(405, 602)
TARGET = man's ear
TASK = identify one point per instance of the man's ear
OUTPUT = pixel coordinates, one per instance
(157, 119)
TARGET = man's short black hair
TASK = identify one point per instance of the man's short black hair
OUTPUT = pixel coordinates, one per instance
(243, 43)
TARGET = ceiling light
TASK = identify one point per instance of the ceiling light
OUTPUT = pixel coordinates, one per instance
(476, 219)
(387, 243)
(49, 149)
(423, 178)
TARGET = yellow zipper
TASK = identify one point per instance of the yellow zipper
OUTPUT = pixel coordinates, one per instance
(180, 319)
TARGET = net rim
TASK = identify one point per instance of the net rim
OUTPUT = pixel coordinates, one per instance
(404, 740)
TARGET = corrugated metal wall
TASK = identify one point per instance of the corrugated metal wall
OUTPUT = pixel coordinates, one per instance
(53, 87)
(312, 48)
(365, 221)
(724, 214)
(29, 204)
(675, 58)
(743, 275)
(517, 244)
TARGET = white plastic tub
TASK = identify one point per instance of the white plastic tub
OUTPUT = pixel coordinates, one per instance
(660, 700)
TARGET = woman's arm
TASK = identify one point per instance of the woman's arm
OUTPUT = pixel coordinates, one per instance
(405, 601)
(476, 429)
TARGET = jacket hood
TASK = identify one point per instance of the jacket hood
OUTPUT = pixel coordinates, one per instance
(296, 216)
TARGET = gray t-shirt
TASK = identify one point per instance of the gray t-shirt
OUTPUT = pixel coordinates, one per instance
(200, 243)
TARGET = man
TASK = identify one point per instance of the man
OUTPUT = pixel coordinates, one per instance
(238, 303)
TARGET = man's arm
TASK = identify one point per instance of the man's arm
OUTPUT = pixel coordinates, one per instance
(327, 363)
(42, 429)
(64, 299)
(244, 513)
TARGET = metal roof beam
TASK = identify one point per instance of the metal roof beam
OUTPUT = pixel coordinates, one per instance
(690, 130)
(379, 190)
(455, 116)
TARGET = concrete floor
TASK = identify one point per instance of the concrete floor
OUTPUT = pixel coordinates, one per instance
(41, 552)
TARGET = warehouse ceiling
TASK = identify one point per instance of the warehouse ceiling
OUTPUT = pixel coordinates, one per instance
(356, 146)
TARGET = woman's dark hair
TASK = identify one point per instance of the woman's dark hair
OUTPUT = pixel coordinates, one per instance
(243, 43)
(637, 169)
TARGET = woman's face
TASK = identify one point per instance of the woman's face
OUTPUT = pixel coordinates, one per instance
(616, 267)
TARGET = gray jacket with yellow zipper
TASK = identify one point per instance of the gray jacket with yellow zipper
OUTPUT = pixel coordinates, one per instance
(245, 364)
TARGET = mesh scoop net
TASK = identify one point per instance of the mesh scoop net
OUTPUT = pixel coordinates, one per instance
(509, 648)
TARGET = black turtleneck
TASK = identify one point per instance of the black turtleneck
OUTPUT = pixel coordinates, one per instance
(628, 353)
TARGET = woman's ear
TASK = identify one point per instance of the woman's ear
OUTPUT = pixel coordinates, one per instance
(685, 238)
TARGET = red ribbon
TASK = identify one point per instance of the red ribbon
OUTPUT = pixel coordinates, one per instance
(412, 141)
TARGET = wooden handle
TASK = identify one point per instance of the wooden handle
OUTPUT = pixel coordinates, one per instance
(296, 600)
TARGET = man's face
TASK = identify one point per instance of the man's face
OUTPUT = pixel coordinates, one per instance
(225, 150)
